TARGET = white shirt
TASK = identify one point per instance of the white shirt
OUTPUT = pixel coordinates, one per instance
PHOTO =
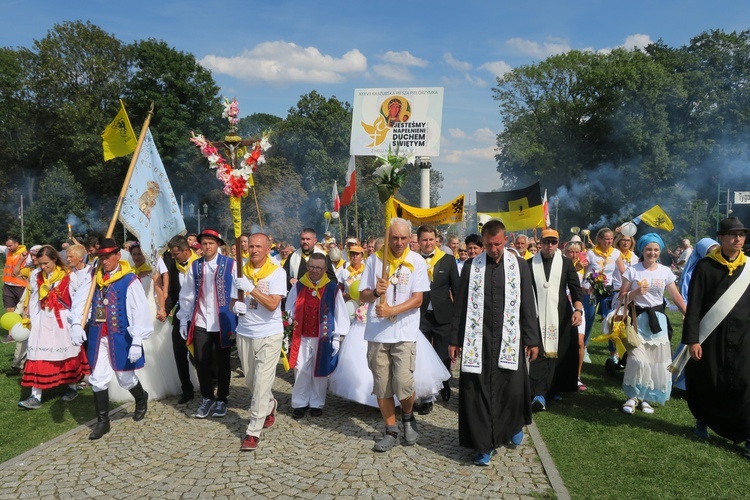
(599, 264)
(258, 322)
(207, 309)
(406, 326)
(658, 280)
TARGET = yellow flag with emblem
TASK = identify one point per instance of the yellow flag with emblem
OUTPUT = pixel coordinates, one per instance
(655, 217)
(451, 212)
(119, 139)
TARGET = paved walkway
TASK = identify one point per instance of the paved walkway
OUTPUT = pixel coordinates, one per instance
(171, 454)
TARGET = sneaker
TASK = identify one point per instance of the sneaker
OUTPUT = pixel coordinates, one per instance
(426, 409)
(581, 386)
(31, 403)
(483, 459)
(70, 395)
(701, 430)
(586, 357)
(249, 443)
(517, 439)
(220, 409)
(411, 432)
(271, 417)
(205, 408)
(538, 403)
(385, 444)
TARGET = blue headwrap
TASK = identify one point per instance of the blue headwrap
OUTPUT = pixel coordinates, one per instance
(649, 238)
(700, 251)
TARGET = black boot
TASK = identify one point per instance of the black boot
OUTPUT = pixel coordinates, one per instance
(141, 402)
(101, 403)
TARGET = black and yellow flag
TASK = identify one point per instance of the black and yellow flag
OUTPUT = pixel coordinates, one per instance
(655, 217)
(118, 139)
(451, 212)
(519, 209)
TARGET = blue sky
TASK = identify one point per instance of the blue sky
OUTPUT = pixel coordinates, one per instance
(267, 54)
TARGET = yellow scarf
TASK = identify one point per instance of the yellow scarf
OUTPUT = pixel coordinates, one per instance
(125, 269)
(340, 264)
(142, 268)
(353, 273)
(528, 255)
(718, 257)
(184, 269)
(601, 253)
(395, 263)
(57, 275)
(258, 273)
(20, 250)
(626, 256)
(245, 255)
(305, 280)
(438, 254)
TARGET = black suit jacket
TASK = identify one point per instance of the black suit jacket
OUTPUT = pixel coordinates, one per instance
(443, 290)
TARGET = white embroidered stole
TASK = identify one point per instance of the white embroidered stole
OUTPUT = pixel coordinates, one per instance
(471, 358)
(548, 296)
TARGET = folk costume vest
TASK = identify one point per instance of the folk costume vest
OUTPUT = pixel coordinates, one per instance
(222, 290)
(112, 300)
(325, 362)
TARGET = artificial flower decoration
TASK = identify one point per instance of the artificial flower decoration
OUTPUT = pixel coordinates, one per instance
(391, 173)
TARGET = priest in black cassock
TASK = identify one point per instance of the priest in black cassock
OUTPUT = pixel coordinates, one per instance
(556, 368)
(717, 377)
(494, 331)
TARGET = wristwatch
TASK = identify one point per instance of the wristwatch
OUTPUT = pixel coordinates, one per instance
(578, 311)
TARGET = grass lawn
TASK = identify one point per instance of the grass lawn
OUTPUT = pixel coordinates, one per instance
(604, 453)
(22, 429)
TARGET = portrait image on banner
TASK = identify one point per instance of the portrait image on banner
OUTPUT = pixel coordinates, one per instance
(407, 119)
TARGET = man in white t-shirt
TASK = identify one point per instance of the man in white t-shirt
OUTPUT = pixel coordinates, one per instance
(687, 251)
(392, 328)
(260, 332)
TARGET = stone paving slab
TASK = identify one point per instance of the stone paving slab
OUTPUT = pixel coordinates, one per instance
(172, 454)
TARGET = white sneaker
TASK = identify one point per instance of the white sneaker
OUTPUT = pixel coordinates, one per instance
(586, 357)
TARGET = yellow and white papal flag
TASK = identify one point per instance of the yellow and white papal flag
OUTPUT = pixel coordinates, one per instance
(119, 139)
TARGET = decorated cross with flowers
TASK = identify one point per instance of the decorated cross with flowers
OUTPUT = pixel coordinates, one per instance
(234, 168)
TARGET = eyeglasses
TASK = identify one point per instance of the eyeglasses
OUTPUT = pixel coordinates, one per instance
(737, 235)
(315, 268)
(463, 251)
(549, 242)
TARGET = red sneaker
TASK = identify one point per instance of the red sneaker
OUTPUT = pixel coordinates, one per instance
(250, 443)
(271, 417)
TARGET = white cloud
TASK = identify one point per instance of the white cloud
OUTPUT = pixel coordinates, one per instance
(476, 81)
(403, 58)
(539, 50)
(637, 41)
(455, 63)
(485, 135)
(456, 133)
(497, 68)
(393, 71)
(283, 62)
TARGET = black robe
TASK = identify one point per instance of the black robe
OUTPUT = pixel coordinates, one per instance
(495, 405)
(560, 374)
(718, 386)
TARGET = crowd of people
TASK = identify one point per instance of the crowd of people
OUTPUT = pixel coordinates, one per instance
(386, 322)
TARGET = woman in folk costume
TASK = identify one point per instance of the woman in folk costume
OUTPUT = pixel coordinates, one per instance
(320, 321)
(52, 358)
(646, 376)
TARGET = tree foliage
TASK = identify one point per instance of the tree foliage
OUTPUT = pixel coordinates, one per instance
(618, 132)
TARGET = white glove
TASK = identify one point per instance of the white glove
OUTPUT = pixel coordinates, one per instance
(135, 353)
(245, 284)
(239, 308)
(77, 335)
(183, 331)
(335, 345)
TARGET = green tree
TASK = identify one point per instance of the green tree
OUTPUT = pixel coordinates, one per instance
(59, 197)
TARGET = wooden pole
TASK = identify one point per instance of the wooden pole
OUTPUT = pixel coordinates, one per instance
(118, 207)
(257, 207)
